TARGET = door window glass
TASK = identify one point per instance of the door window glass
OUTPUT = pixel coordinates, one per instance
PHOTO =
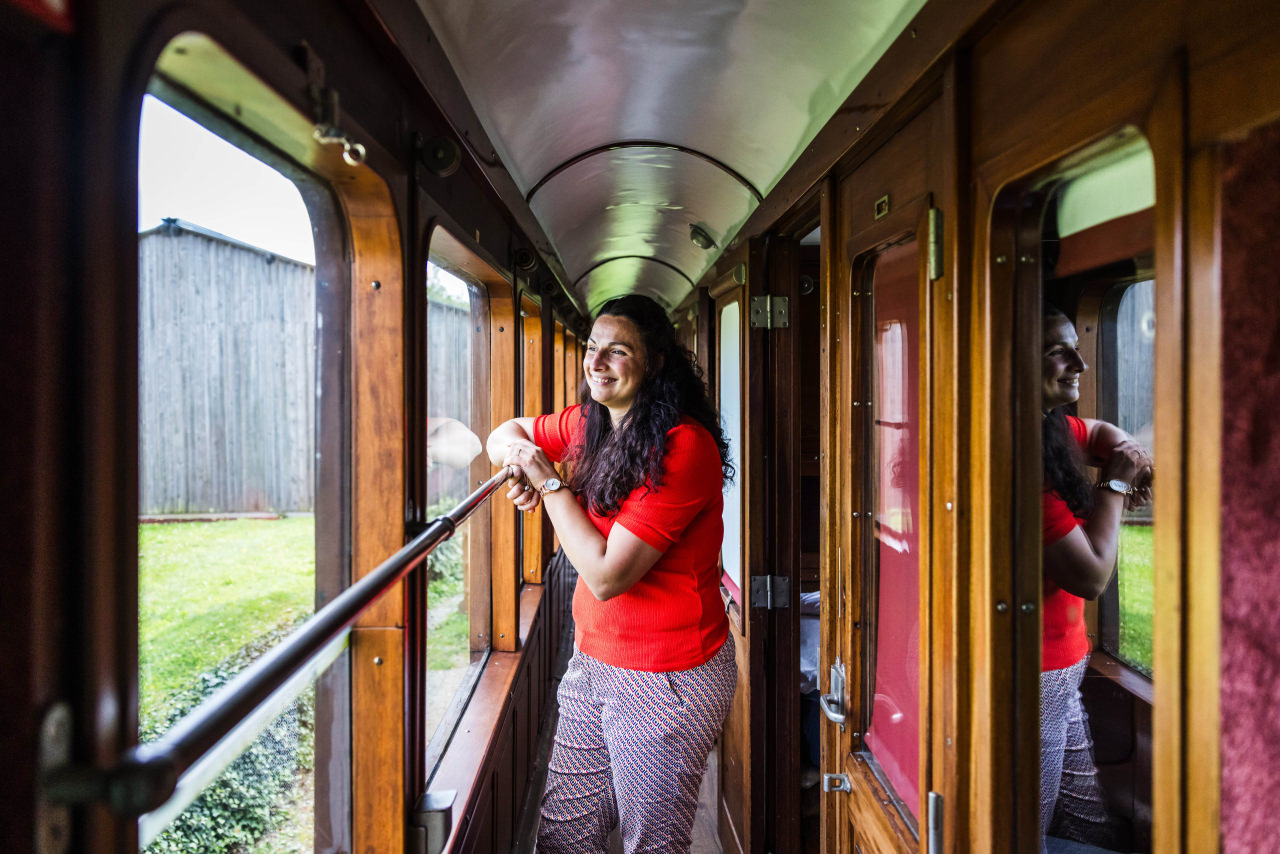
(730, 391)
(893, 705)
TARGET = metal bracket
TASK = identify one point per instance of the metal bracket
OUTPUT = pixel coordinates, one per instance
(935, 823)
(430, 822)
(770, 591)
(770, 312)
(53, 820)
(832, 702)
(325, 109)
(836, 783)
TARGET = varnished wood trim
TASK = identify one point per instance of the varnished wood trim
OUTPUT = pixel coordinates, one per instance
(504, 561)
(1202, 571)
(1170, 643)
(531, 345)
(378, 755)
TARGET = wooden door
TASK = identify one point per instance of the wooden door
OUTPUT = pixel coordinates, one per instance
(882, 765)
(740, 801)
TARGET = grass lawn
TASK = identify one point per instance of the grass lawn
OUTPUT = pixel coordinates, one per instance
(1135, 576)
(207, 589)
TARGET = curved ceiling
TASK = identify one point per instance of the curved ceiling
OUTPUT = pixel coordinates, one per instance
(627, 125)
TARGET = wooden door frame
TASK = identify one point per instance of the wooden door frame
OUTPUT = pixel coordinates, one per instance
(742, 277)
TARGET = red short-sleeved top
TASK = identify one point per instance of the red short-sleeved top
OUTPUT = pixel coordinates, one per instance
(673, 617)
(1065, 639)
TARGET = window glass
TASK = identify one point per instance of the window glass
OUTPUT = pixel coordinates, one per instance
(730, 391)
(893, 731)
(1133, 332)
(227, 462)
(457, 571)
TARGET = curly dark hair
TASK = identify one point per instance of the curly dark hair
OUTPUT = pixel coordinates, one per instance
(1064, 471)
(610, 463)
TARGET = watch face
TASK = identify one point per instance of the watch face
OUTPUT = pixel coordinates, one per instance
(551, 485)
(1119, 486)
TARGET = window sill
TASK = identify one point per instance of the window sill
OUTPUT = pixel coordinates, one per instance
(1123, 675)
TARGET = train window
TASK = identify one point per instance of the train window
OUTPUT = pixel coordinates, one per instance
(729, 390)
(458, 596)
(1126, 391)
(1097, 286)
(231, 490)
(892, 587)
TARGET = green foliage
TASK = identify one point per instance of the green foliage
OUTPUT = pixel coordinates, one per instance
(252, 795)
(447, 646)
(1135, 580)
(214, 596)
(447, 641)
(207, 589)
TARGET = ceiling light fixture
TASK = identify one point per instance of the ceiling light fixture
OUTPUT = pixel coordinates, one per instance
(700, 237)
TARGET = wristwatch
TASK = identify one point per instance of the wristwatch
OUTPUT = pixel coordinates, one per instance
(1120, 486)
(549, 485)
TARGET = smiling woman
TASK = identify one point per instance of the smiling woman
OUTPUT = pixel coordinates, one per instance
(641, 523)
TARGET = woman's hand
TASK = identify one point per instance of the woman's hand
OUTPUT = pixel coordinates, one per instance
(1132, 463)
(530, 466)
(1126, 462)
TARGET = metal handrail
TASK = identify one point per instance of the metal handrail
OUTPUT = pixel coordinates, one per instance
(148, 774)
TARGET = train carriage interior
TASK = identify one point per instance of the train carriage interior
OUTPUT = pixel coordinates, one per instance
(278, 271)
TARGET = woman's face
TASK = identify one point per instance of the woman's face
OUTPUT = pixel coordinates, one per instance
(614, 363)
(1062, 364)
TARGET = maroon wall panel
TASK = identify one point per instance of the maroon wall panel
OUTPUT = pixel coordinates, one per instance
(1251, 490)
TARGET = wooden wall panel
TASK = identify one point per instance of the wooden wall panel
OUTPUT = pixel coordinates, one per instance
(504, 518)
(532, 524)
(378, 763)
(378, 492)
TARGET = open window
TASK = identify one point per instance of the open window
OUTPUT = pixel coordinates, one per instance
(242, 517)
(457, 585)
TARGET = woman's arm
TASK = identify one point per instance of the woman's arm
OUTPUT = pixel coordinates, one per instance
(515, 430)
(1082, 562)
(608, 567)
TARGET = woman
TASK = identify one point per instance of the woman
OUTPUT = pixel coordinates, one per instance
(1081, 538)
(652, 674)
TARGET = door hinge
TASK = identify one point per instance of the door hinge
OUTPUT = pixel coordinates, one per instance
(935, 823)
(770, 312)
(770, 591)
(935, 244)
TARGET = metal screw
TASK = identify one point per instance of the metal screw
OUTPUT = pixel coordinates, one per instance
(377, 660)
(948, 505)
(1025, 259)
(1001, 607)
(1001, 259)
(1028, 607)
(376, 285)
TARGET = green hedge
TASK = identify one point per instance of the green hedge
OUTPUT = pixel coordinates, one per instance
(252, 797)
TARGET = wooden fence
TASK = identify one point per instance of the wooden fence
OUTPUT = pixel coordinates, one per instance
(228, 377)
(227, 372)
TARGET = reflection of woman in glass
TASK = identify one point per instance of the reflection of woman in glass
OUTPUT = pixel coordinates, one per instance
(653, 671)
(1081, 539)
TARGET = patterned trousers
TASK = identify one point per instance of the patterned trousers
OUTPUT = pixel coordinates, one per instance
(631, 747)
(1071, 804)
